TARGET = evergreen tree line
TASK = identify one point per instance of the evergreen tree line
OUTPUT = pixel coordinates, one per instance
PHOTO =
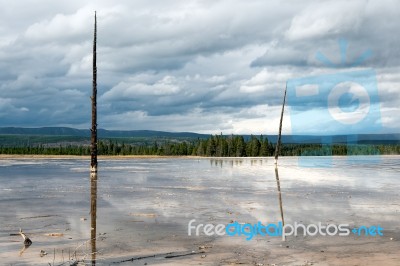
(214, 146)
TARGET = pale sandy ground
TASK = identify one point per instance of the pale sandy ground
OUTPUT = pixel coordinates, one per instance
(105, 157)
(222, 251)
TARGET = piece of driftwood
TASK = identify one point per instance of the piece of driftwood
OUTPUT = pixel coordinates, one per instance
(27, 241)
(55, 234)
(169, 255)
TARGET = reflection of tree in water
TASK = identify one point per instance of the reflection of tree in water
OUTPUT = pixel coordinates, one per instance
(278, 184)
(220, 162)
(93, 212)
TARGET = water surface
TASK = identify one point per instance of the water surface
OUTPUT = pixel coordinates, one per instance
(144, 206)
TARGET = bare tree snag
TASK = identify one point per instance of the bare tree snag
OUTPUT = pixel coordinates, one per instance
(93, 146)
(278, 142)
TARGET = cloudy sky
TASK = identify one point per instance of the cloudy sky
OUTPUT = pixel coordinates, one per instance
(202, 66)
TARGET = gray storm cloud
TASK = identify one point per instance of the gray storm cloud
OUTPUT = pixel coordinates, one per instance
(203, 66)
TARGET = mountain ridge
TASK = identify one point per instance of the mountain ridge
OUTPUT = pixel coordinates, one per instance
(103, 133)
(393, 138)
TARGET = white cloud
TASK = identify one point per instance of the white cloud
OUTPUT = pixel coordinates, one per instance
(272, 81)
(130, 89)
(325, 19)
(63, 28)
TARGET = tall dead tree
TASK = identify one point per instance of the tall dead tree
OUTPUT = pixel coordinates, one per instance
(93, 146)
(93, 152)
(278, 143)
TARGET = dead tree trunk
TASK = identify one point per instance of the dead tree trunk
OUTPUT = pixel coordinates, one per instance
(93, 152)
(278, 142)
(93, 146)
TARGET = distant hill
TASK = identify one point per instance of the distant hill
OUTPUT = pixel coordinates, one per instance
(341, 139)
(103, 133)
